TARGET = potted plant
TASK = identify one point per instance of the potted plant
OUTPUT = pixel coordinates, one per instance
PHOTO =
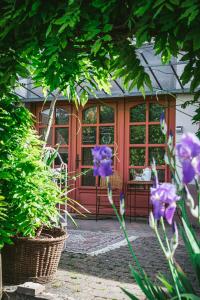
(30, 239)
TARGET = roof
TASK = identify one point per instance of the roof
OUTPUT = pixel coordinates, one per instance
(165, 79)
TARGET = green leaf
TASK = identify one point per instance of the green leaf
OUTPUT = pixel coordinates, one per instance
(196, 42)
(186, 297)
(107, 27)
(97, 45)
(184, 280)
(142, 90)
(22, 71)
(130, 295)
(61, 20)
(169, 287)
(83, 98)
(194, 245)
(34, 7)
(49, 29)
(107, 37)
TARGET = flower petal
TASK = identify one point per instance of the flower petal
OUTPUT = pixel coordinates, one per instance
(169, 212)
(188, 171)
(196, 164)
(158, 210)
(105, 168)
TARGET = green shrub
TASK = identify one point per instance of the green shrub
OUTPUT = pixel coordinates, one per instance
(26, 182)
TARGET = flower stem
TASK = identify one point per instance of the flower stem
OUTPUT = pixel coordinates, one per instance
(168, 255)
(127, 239)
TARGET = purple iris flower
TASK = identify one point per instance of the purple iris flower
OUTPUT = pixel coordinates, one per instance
(102, 159)
(163, 198)
(188, 150)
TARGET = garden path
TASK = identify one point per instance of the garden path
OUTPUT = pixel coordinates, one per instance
(95, 263)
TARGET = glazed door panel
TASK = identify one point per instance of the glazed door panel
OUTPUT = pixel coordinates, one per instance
(98, 127)
(145, 141)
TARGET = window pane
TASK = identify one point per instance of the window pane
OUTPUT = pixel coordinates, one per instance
(106, 135)
(155, 135)
(42, 132)
(88, 178)
(62, 136)
(137, 134)
(62, 116)
(138, 113)
(161, 175)
(64, 156)
(133, 173)
(158, 154)
(106, 114)
(44, 117)
(89, 135)
(137, 156)
(90, 115)
(87, 158)
(155, 111)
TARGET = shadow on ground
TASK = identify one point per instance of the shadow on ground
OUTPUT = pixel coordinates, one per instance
(115, 264)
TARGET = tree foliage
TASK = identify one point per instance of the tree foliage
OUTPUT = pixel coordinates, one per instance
(61, 44)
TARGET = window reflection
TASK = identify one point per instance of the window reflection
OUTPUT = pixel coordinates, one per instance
(137, 134)
(138, 113)
(44, 116)
(42, 133)
(87, 158)
(134, 173)
(155, 111)
(161, 175)
(88, 179)
(63, 152)
(106, 135)
(89, 135)
(155, 135)
(137, 156)
(106, 114)
(62, 116)
(62, 136)
(90, 115)
(158, 154)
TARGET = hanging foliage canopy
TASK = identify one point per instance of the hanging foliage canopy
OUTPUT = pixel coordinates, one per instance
(61, 44)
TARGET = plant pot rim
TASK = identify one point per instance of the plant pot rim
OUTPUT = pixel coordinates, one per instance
(59, 235)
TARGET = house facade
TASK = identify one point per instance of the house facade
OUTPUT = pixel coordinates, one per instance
(126, 122)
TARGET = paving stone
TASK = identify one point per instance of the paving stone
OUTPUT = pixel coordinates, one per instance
(99, 277)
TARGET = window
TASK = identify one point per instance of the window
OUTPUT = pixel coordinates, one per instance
(146, 140)
(98, 128)
(59, 132)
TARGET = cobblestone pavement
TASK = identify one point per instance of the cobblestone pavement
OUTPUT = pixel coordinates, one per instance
(87, 277)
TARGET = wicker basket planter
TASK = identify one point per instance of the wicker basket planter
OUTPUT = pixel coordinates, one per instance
(33, 259)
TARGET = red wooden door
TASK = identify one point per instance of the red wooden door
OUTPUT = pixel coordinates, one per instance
(98, 126)
(145, 141)
(131, 127)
